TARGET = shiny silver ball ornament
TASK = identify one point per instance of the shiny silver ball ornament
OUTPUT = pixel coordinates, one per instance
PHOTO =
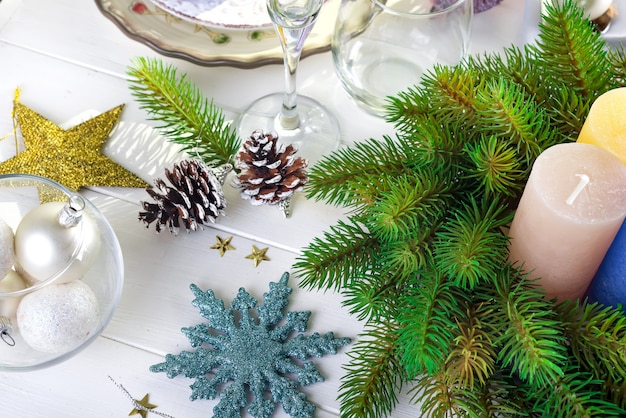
(56, 240)
(9, 301)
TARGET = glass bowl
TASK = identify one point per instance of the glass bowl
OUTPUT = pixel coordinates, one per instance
(60, 285)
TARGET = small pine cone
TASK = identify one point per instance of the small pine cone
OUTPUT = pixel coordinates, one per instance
(195, 198)
(270, 173)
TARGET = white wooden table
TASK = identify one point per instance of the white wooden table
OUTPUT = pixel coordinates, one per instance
(67, 58)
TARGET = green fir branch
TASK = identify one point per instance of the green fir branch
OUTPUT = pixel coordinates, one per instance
(472, 247)
(347, 251)
(504, 112)
(371, 297)
(438, 396)
(597, 336)
(497, 397)
(375, 375)
(442, 396)
(435, 144)
(426, 319)
(529, 335)
(615, 391)
(407, 257)
(350, 176)
(572, 54)
(576, 66)
(447, 94)
(496, 167)
(412, 202)
(472, 358)
(576, 394)
(568, 111)
(617, 59)
(426, 245)
(517, 65)
(184, 114)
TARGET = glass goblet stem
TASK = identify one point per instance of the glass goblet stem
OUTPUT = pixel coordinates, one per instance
(293, 21)
(289, 111)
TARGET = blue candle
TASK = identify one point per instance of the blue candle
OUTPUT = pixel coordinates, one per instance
(609, 284)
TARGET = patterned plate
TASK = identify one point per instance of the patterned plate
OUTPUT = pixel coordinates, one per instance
(175, 37)
(233, 14)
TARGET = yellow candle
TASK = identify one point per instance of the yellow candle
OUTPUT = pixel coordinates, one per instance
(605, 125)
(570, 211)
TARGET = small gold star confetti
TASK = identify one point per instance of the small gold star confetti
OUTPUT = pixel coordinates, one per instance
(70, 157)
(223, 245)
(258, 255)
(145, 403)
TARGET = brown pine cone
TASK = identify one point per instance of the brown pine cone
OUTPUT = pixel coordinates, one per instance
(270, 173)
(195, 198)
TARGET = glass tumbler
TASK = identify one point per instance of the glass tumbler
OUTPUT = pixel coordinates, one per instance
(382, 47)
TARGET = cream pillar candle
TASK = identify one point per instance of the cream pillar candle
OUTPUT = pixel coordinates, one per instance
(605, 125)
(570, 211)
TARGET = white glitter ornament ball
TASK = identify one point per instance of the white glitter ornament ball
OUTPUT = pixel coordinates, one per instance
(7, 249)
(12, 282)
(51, 241)
(58, 317)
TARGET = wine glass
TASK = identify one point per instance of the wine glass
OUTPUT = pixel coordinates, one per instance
(296, 119)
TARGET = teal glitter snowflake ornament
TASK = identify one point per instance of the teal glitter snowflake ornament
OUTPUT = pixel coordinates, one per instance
(251, 353)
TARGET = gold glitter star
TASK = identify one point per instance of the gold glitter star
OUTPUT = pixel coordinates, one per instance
(222, 245)
(145, 404)
(258, 255)
(70, 157)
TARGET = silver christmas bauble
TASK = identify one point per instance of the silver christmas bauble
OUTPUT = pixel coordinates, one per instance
(7, 252)
(58, 317)
(56, 239)
(12, 282)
